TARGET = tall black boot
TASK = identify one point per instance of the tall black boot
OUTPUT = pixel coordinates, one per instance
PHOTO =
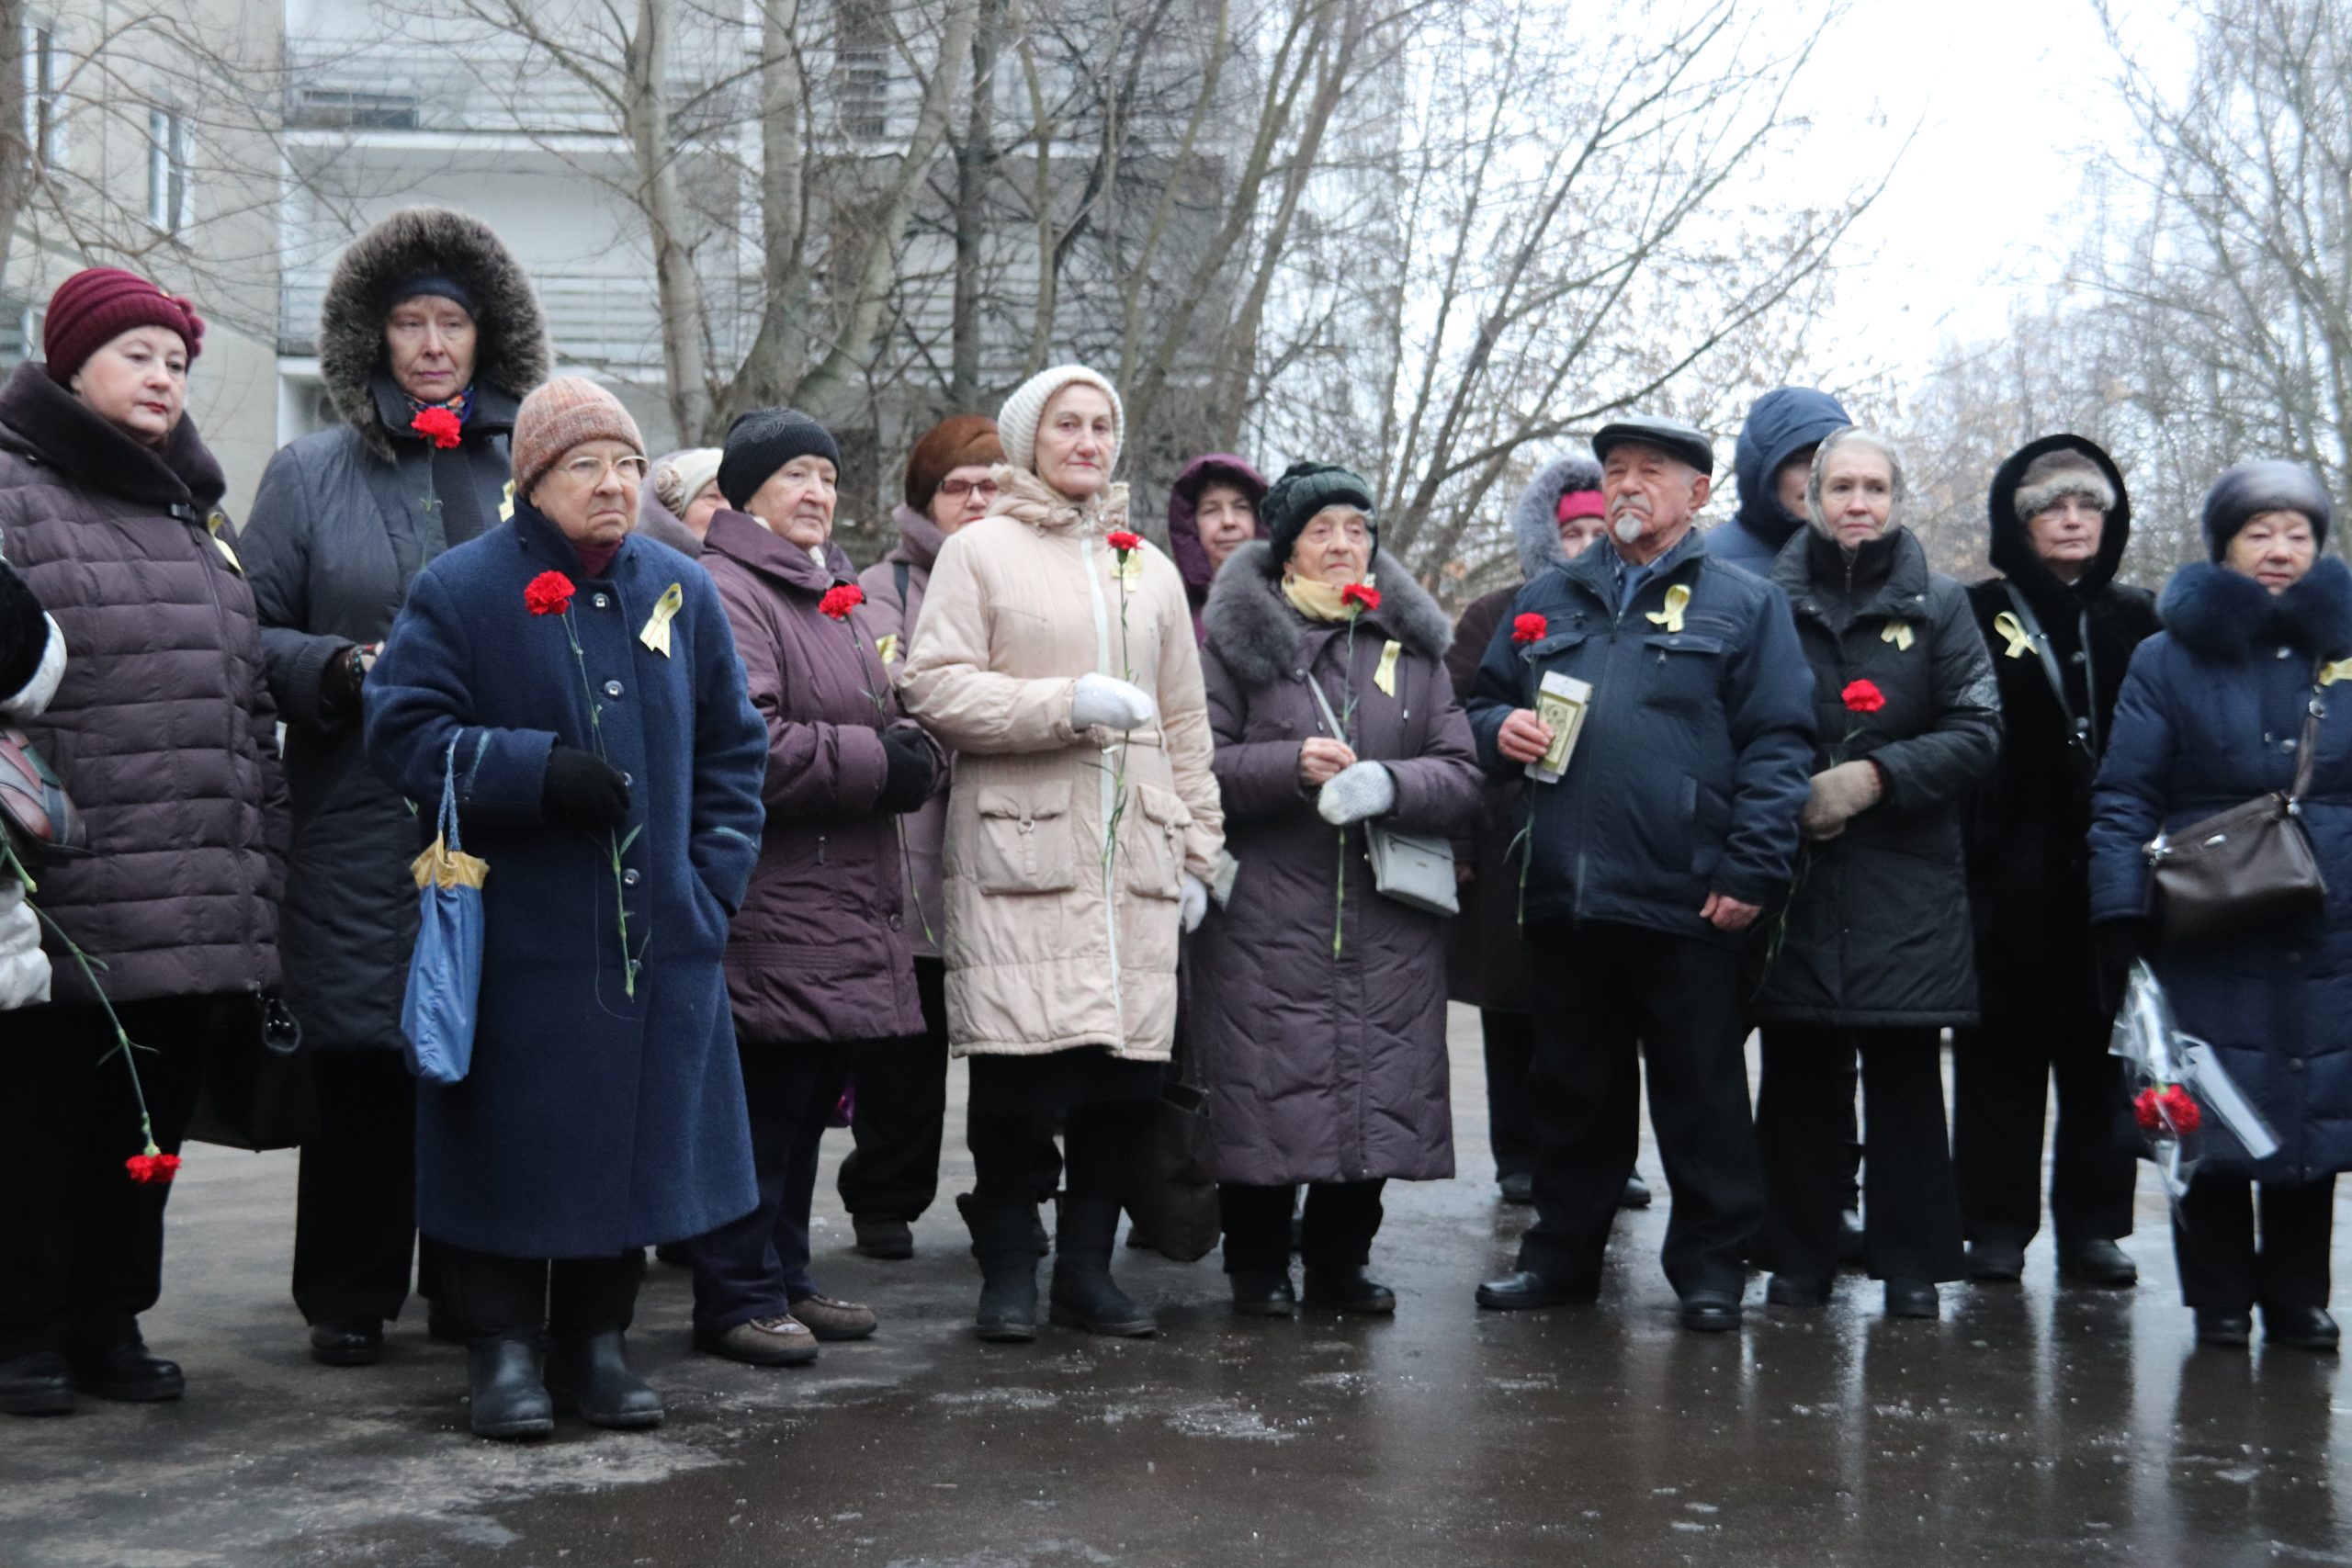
(1084, 1295)
(1002, 1241)
(508, 1399)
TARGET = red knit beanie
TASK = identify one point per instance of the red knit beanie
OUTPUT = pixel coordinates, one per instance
(98, 305)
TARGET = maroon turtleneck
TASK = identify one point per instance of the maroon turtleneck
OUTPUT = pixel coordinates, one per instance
(596, 559)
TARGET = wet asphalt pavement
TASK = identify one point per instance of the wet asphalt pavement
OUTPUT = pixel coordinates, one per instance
(2033, 1424)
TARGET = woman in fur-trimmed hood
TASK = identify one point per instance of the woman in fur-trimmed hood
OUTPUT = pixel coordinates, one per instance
(1318, 1004)
(428, 339)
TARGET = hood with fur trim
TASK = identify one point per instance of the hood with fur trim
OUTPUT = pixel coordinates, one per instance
(2011, 551)
(510, 356)
(2229, 617)
(1254, 627)
(1535, 516)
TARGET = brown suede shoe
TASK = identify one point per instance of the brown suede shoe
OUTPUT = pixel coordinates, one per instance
(829, 1319)
(762, 1342)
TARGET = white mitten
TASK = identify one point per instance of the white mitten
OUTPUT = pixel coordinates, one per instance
(1113, 705)
(1838, 795)
(1358, 791)
(1192, 903)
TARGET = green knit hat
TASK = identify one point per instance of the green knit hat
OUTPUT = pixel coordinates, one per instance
(1303, 490)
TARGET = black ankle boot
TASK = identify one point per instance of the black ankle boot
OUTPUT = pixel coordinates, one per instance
(38, 1384)
(1348, 1290)
(1084, 1295)
(125, 1370)
(509, 1400)
(1001, 1240)
(589, 1374)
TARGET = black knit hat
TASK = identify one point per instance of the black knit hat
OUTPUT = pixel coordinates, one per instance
(1303, 490)
(760, 441)
(2247, 489)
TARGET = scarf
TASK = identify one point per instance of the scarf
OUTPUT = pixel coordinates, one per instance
(1318, 599)
(1024, 497)
(462, 405)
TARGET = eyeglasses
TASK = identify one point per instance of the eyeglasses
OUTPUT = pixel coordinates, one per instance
(588, 472)
(956, 489)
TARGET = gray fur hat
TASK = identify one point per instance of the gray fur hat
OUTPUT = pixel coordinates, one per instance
(2053, 476)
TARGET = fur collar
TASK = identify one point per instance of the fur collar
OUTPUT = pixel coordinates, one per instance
(45, 422)
(2225, 616)
(1256, 633)
(512, 356)
(1535, 516)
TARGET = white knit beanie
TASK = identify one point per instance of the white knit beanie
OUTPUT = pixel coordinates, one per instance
(1016, 423)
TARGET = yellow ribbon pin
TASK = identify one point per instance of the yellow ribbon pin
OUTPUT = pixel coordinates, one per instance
(2020, 642)
(656, 635)
(507, 504)
(1386, 676)
(887, 647)
(1677, 598)
(2339, 671)
(213, 525)
(1899, 634)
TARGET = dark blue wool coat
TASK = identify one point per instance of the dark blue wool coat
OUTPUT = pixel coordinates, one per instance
(1697, 749)
(592, 1122)
(2209, 718)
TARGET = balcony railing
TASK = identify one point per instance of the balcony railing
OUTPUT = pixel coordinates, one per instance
(613, 321)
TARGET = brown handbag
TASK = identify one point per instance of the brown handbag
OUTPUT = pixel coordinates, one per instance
(2241, 869)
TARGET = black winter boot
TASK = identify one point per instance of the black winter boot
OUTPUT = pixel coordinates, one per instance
(1001, 1240)
(1084, 1295)
(509, 1400)
(590, 1375)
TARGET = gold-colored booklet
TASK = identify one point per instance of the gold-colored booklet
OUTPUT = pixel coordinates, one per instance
(1560, 703)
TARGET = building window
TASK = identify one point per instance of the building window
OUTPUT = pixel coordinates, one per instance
(167, 145)
(862, 68)
(41, 92)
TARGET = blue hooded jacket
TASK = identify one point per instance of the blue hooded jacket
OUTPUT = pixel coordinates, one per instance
(1784, 421)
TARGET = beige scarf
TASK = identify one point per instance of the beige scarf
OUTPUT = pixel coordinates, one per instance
(1318, 599)
(1024, 497)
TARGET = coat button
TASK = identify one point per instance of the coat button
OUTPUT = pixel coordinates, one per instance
(2294, 1064)
(627, 779)
(601, 601)
(897, 922)
(628, 877)
(611, 688)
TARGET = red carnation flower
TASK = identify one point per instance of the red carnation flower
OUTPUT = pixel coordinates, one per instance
(1528, 628)
(155, 1171)
(1124, 542)
(550, 593)
(841, 599)
(2182, 1109)
(1362, 593)
(1864, 697)
(2172, 1108)
(439, 425)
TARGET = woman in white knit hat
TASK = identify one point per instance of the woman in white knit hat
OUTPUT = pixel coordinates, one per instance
(1056, 661)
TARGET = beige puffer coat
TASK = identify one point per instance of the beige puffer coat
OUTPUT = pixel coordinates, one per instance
(1050, 943)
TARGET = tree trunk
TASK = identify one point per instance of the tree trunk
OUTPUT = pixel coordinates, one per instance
(975, 163)
(647, 119)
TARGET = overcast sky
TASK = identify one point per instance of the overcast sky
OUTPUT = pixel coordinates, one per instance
(2012, 98)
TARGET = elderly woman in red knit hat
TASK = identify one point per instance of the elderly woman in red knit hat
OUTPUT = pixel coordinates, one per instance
(162, 733)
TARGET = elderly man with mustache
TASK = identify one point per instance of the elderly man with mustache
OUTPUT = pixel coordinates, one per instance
(1651, 847)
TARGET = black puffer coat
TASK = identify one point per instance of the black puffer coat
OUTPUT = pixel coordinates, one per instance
(162, 729)
(1874, 934)
(345, 520)
(2028, 859)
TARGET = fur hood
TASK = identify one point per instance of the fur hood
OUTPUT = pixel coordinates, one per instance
(511, 357)
(1256, 633)
(1534, 516)
(2226, 615)
(2011, 552)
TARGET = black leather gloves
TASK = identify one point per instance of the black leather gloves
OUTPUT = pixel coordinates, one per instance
(582, 790)
(912, 769)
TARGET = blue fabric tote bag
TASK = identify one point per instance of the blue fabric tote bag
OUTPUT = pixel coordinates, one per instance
(445, 971)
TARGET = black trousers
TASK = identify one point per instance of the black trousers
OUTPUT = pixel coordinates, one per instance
(355, 1211)
(893, 1174)
(1340, 1220)
(1007, 1166)
(757, 1266)
(1805, 1113)
(2001, 1075)
(1510, 1040)
(81, 1243)
(2221, 1267)
(569, 1298)
(1605, 996)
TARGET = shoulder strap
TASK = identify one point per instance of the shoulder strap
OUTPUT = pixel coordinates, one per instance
(900, 571)
(2307, 749)
(2041, 642)
(1315, 687)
